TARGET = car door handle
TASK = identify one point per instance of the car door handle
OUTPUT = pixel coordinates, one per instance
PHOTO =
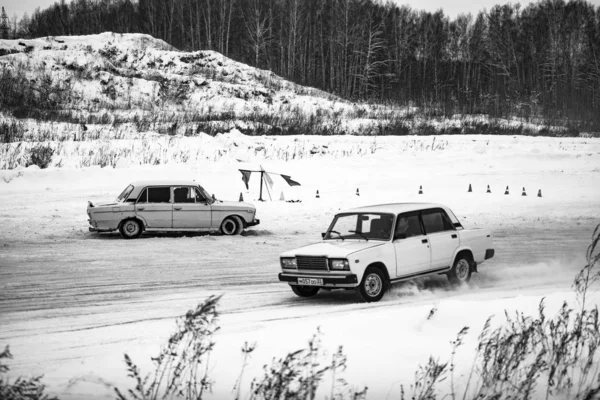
(454, 236)
(177, 208)
(141, 208)
(424, 241)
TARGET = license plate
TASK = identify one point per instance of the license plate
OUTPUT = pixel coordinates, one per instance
(310, 281)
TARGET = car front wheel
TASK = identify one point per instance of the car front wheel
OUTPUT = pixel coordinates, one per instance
(373, 285)
(231, 226)
(130, 229)
(304, 291)
(461, 270)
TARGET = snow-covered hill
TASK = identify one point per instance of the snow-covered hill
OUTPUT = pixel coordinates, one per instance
(133, 77)
(117, 92)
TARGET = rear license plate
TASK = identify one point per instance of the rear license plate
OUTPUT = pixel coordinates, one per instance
(310, 281)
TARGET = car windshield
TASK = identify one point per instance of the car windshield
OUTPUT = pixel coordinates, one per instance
(362, 226)
(205, 194)
(124, 194)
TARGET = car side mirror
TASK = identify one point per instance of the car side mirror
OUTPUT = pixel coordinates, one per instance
(322, 235)
(213, 197)
(400, 236)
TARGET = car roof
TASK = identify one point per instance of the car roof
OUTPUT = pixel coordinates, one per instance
(164, 182)
(394, 208)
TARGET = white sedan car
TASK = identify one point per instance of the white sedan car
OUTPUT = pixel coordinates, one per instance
(169, 206)
(369, 248)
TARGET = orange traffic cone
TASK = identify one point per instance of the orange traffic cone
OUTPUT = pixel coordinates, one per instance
(318, 197)
(540, 193)
(524, 193)
(420, 189)
(241, 197)
(470, 190)
(506, 191)
(357, 193)
(488, 189)
(281, 198)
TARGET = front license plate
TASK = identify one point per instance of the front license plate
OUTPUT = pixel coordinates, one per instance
(310, 281)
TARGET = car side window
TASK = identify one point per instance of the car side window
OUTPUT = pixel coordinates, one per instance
(143, 198)
(198, 195)
(408, 225)
(184, 194)
(436, 221)
(159, 194)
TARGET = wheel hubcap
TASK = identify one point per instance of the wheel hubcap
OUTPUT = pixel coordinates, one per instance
(229, 227)
(373, 285)
(462, 270)
(131, 228)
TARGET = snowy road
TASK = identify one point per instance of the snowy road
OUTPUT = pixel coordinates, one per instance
(54, 276)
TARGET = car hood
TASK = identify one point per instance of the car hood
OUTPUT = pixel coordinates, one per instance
(333, 249)
(232, 205)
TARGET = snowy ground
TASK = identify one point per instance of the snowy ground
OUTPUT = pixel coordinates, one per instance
(72, 302)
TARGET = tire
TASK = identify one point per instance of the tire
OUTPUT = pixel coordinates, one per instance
(130, 229)
(305, 291)
(460, 274)
(373, 285)
(240, 225)
(230, 226)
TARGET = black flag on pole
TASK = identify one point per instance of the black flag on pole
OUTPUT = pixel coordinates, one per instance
(265, 176)
(289, 180)
(246, 177)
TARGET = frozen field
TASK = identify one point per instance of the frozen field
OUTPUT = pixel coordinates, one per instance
(72, 302)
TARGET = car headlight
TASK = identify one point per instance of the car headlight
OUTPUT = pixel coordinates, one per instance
(339, 264)
(289, 263)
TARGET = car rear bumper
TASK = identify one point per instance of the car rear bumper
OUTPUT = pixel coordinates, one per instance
(332, 281)
(92, 229)
(489, 253)
(95, 228)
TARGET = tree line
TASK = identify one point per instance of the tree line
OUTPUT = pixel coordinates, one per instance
(542, 60)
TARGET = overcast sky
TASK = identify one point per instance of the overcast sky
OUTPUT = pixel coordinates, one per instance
(451, 7)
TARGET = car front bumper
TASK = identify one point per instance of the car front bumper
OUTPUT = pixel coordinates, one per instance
(330, 281)
(254, 222)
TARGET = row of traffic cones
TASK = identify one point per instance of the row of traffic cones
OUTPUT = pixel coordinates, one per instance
(524, 193)
(318, 196)
(281, 198)
(506, 192)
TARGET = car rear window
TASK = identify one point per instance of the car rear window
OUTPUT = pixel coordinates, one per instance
(436, 221)
(125, 194)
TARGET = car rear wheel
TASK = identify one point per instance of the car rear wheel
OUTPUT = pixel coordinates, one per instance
(305, 291)
(461, 270)
(130, 229)
(373, 285)
(231, 226)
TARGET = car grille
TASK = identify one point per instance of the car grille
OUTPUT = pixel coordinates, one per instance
(307, 262)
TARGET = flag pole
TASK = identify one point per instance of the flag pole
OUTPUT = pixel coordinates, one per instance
(261, 185)
(268, 192)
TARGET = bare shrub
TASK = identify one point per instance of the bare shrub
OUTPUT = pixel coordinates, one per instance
(11, 131)
(182, 365)
(21, 388)
(41, 155)
(299, 374)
